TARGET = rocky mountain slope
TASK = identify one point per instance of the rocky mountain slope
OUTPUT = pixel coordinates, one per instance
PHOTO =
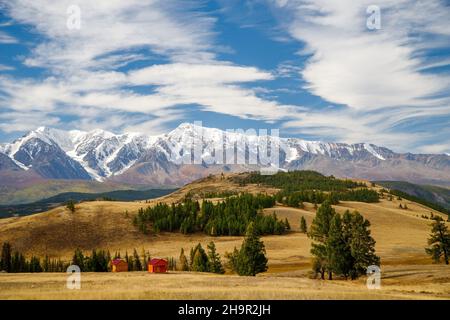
(188, 152)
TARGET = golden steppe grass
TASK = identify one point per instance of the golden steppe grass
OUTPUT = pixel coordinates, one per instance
(401, 237)
(398, 282)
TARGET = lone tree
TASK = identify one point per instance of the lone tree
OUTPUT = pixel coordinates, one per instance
(71, 206)
(303, 227)
(215, 265)
(251, 258)
(439, 241)
(183, 261)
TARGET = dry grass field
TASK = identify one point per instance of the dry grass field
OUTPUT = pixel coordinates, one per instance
(398, 282)
(401, 237)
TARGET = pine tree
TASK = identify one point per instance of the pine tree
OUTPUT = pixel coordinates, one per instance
(286, 224)
(215, 265)
(183, 261)
(200, 261)
(251, 258)
(339, 253)
(318, 232)
(361, 244)
(71, 206)
(303, 227)
(78, 260)
(439, 241)
(137, 266)
(5, 264)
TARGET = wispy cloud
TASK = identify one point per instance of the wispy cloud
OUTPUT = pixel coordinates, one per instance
(84, 64)
(376, 76)
(6, 39)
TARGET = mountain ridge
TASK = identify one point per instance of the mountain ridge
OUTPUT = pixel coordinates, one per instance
(161, 159)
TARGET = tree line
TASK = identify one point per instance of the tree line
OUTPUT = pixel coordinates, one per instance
(229, 217)
(96, 261)
(15, 262)
(298, 180)
(296, 199)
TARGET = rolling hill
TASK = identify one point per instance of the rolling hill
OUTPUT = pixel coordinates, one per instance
(60, 199)
(401, 236)
(432, 194)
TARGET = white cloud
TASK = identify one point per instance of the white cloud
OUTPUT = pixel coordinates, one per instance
(365, 69)
(84, 63)
(376, 75)
(6, 39)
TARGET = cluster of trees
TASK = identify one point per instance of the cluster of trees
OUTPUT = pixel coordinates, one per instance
(202, 261)
(439, 241)
(251, 258)
(296, 199)
(228, 217)
(15, 262)
(299, 180)
(342, 245)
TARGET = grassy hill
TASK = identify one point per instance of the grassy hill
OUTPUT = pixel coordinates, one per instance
(60, 199)
(434, 196)
(401, 236)
(48, 188)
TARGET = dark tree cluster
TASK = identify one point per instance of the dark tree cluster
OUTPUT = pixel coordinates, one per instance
(298, 180)
(16, 262)
(296, 199)
(202, 261)
(439, 241)
(229, 217)
(251, 258)
(342, 245)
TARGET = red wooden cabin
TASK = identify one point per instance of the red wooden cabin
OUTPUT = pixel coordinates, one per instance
(119, 265)
(156, 265)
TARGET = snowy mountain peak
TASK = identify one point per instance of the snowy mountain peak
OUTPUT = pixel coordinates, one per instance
(103, 154)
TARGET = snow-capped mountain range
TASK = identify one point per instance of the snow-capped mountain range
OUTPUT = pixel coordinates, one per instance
(167, 159)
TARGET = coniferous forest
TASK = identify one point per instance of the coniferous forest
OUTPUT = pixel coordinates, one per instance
(229, 217)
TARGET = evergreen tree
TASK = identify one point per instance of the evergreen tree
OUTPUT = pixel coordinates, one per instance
(251, 258)
(303, 227)
(339, 253)
(318, 232)
(5, 262)
(78, 259)
(215, 265)
(286, 224)
(200, 261)
(71, 206)
(361, 244)
(137, 266)
(183, 261)
(439, 241)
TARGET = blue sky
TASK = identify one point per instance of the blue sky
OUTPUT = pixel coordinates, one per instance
(311, 69)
